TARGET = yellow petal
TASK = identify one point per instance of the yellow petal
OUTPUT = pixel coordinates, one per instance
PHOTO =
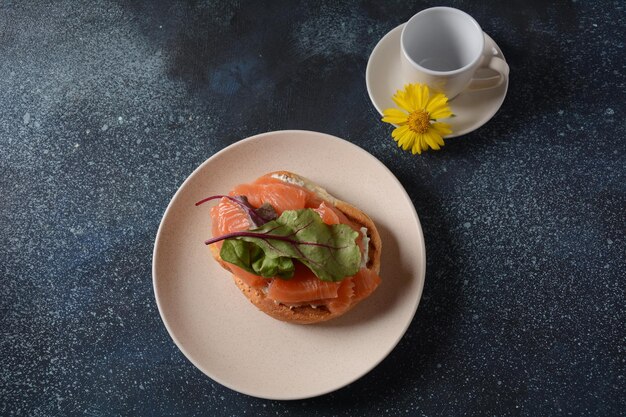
(440, 114)
(438, 108)
(394, 116)
(400, 100)
(436, 102)
(414, 138)
(410, 97)
(431, 138)
(406, 139)
(417, 147)
(399, 131)
(442, 128)
(402, 143)
(421, 93)
(439, 139)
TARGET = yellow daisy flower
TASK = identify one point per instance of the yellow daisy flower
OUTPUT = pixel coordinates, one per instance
(416, 118)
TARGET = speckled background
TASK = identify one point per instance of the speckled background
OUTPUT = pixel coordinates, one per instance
(107, 106)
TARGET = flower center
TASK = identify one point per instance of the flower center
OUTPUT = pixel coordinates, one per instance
(419, 121)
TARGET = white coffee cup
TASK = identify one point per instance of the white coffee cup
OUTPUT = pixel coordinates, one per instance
(443, 48)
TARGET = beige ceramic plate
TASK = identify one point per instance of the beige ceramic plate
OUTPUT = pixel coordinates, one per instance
(224, 335)
(472, 109)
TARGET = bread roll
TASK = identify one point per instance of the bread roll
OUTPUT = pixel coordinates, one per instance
(306, 314)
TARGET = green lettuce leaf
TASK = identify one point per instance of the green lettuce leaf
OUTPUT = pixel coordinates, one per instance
(250, 257)
(330, 251)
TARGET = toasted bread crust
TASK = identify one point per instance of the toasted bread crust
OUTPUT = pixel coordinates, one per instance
(308, 314)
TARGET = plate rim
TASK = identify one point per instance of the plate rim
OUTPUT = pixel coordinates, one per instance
(420, 272)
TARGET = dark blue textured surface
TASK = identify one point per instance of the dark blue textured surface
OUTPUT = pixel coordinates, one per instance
(105, 108)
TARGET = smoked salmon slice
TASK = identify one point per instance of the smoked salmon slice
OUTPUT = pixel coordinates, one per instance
(344, 297)
(365, 282)
(227, 217)
(328, 214)
(304, 286)
(248, 277)
(280, 196)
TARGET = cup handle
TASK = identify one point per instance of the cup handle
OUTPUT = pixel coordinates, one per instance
(494, 62)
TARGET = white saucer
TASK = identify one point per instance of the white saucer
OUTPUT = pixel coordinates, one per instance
(472, 109)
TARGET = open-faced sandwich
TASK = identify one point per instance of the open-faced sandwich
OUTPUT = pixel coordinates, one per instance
(297, 253)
